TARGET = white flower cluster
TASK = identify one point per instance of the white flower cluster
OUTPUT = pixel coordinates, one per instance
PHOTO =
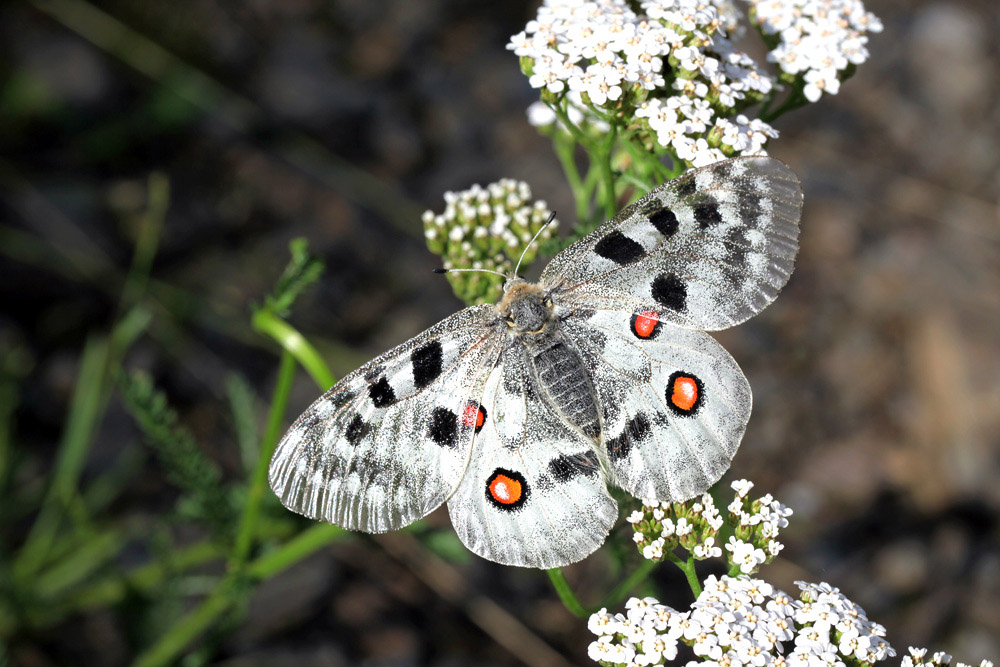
(743, 622)
(694, 525)
(672, 65)
(662, 527)
(918, 656)
(816, 39)
(757, 525)
(486, 228)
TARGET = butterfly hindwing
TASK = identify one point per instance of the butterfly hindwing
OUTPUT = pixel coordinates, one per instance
(674, 402)
(390, 441)
(709, 249)
(534, 494)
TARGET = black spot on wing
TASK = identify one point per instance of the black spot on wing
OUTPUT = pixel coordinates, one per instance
(687, 188)
(356, 430)
(636, 429)
(619, 248)
(444, 427)
(426, 361)
(750, 205)
(669, 291)
(567, 466)
(707, 214)
(381, 393)
(339, 398)
(737, 245)
(664, 220)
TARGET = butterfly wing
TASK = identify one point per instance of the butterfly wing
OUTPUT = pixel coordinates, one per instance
(674, 402)
(390, 441)
(710, 248)
(534, 494)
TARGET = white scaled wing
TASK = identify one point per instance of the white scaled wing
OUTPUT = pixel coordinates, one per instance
(708, 249)
(674, 403)
(534, 493)
(389, 442)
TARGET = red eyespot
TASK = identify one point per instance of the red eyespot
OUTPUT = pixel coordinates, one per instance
(646, 324)
(684, 391)
(505, 490)
(474, 415)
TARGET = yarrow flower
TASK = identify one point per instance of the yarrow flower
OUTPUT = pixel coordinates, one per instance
(819, 40)
(739, 622)
(670, 63)
(918, 656)
(660, 528)
(486, 228)
(671, 66)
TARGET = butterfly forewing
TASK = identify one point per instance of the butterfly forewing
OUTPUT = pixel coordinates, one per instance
(709, 249)
(674, 402)
(534, 493)
(389, 442)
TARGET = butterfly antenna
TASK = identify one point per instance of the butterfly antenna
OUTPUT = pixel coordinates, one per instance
(552, 216)
(478, 270)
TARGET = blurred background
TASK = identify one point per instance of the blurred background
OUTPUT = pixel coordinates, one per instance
(876, 375)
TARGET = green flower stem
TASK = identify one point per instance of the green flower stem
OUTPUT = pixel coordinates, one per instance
(687, 567)
(297, 548)
(147, 239)
(640, 184)
(794, 100)
(566, 593)
(91, 555)
(293, 342)
(255, 494)
(188, 628)
(765, 107)
(90, 397)
(566, 152)
(612, 599)
(199, 619)
(639, 575)
(590, 181)
(607, 176)
(568, 124)
(145, 578)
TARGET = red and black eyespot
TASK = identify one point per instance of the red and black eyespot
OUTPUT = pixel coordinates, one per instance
(507, 490)
(474, 415)
(646, 324)
(685, 393)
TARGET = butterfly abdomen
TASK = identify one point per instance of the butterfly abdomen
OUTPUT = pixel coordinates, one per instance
(564, 382)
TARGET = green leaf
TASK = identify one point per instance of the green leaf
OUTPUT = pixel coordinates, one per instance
(302, 271)
(187, 467)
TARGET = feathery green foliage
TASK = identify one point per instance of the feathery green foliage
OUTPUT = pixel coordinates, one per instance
(205, 497)
(302, 271)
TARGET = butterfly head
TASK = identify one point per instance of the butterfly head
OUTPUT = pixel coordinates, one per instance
(525, 307)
